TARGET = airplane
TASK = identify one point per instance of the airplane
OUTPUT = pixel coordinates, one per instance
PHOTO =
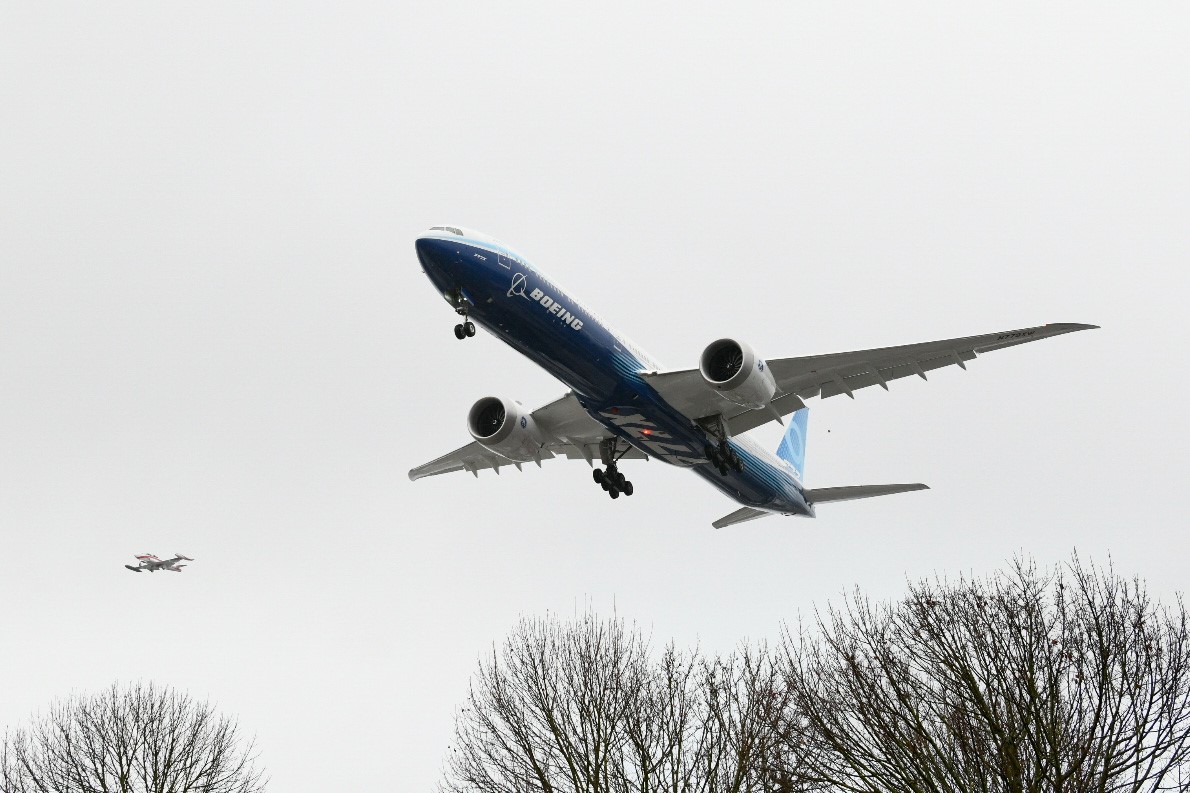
(622, 405)
(151, 563)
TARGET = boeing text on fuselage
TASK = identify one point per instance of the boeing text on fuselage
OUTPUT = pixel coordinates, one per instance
(519, 285)
(621, 406)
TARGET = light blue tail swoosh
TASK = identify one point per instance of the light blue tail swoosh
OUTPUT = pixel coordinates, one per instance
(793, 446)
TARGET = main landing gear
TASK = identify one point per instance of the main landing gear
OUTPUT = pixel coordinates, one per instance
(466, 328)
(724, 458)
(611, 480)
(720, 453)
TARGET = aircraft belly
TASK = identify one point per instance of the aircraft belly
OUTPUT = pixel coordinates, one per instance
(657, 431)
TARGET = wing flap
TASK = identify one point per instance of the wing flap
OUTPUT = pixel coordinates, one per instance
(751, 419)
(471, 458)
(590, 452)
(823, 495)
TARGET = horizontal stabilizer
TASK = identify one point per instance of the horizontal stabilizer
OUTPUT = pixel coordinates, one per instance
(133, 569)
(824, 494)
(739, 516)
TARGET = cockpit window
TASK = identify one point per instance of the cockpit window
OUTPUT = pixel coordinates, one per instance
(451, 229)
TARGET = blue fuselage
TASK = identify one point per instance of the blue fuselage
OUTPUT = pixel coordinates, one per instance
(518, 304)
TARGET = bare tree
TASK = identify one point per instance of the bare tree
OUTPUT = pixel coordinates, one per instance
(581, 706)
(1069, 680)
(141, 739)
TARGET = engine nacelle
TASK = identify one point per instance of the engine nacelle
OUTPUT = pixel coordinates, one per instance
(504, 427)
(735, 370)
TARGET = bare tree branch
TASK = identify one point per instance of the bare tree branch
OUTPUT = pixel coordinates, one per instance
(141, 739)
(1071, 680)
(569, 707)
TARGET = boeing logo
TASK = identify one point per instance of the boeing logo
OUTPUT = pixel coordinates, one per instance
(520, 283)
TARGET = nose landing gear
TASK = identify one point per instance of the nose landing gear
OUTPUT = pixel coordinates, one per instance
(466, 328)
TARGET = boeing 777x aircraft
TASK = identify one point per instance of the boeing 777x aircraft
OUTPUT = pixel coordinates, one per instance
(623, 406)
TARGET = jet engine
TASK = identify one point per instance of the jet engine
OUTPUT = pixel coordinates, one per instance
(735, 370)
(504, 427)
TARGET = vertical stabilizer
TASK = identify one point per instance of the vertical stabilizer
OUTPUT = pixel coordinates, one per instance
(793, 446)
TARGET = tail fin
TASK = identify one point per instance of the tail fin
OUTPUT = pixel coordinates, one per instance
(793, 446)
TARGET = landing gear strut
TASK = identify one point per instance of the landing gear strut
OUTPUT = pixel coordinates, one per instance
(724, 458)
(611, 480)
(721, 455)
(466, 328)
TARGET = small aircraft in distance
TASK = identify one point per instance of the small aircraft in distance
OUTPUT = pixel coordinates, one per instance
(151, 563)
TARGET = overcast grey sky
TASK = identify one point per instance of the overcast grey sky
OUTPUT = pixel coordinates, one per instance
(215, 338)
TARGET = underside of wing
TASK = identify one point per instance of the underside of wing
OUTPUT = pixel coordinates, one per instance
(798, 379)
(687, 391)
(847, 372)
(565, 430)
(739, 516)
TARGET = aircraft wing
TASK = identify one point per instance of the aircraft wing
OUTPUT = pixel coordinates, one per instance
(838, 373)
(568, 431)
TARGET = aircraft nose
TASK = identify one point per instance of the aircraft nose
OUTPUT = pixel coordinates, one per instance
(434, 253)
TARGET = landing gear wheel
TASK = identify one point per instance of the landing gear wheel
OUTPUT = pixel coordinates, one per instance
(609, 477)
(469, 328)
(460, 332)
